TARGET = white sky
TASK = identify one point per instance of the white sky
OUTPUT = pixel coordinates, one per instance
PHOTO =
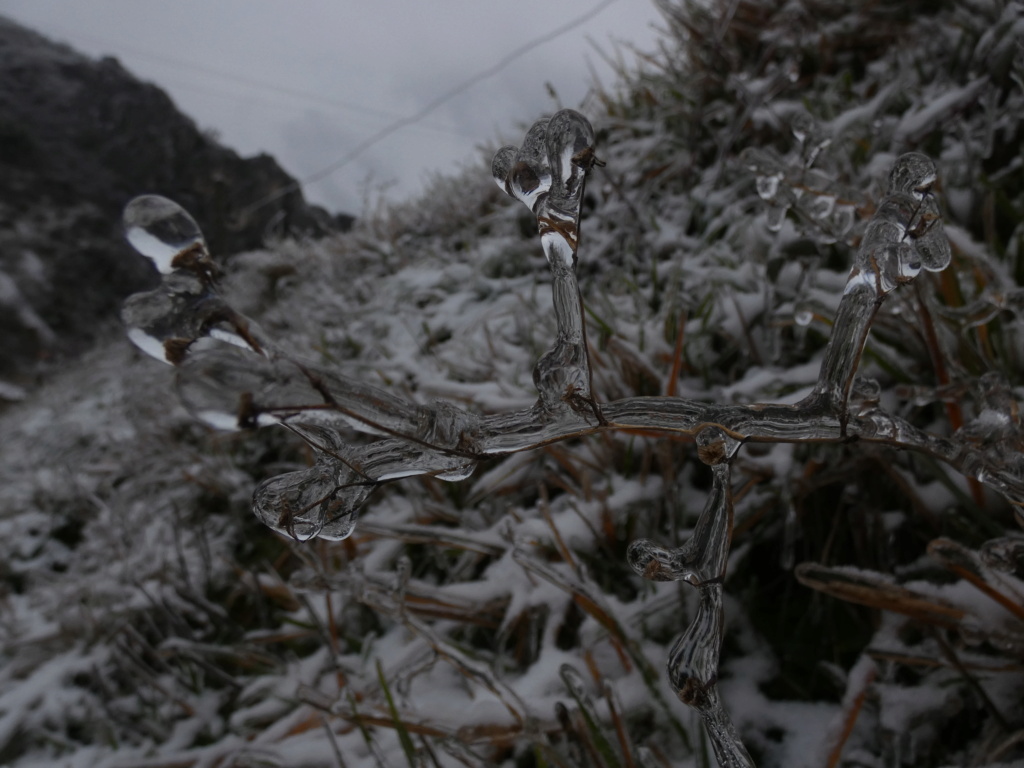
(309, 80)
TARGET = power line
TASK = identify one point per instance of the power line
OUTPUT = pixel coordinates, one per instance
(297, 93)
(445, 97)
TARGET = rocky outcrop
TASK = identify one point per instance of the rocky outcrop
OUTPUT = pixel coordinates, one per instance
(78, 139)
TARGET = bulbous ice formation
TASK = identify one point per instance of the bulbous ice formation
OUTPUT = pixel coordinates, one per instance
(165, 233)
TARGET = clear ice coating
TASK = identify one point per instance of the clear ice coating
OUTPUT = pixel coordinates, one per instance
(812, 136)
(231, 377)
(701, 562)
(904, 236)
(1005, 554)
(164, 232)
(702, 558)
(166, 321)
(322, 500)
(915, 174)
(547, 174)
(769, 180)
(693, 672)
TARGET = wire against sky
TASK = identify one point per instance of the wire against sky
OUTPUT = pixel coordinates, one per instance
(296, 93)
(430, 107)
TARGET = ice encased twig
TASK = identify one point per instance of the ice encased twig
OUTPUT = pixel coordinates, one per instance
(547, 174)
(904, 236)
(701, 562)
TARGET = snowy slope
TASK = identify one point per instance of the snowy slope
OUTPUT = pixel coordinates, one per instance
(150, 620)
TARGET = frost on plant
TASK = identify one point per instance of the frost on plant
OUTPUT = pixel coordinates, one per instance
(232, 376)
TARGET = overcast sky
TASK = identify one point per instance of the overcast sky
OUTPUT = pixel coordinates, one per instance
(308, 81)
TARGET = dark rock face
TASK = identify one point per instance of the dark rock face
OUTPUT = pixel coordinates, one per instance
(78, 139)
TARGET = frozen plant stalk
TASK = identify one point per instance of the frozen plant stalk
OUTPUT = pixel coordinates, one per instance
(230, 376)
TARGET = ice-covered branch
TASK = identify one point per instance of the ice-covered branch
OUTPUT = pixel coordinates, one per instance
(231, 376)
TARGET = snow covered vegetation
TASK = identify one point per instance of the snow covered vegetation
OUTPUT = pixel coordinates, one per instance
(747, 407)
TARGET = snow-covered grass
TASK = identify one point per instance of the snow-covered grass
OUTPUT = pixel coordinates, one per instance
(149, 620)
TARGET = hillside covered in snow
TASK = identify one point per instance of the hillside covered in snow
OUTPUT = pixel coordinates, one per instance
(873, 594)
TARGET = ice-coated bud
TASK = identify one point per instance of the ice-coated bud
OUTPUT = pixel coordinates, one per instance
(165, 233)
(554, 159)
(714, 446)
(530, 177)
(501, 167)
(886, 257)
(913, 174)
(659, 564)
(570, 140)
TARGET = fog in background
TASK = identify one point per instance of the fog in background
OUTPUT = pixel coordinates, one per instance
(308, 82)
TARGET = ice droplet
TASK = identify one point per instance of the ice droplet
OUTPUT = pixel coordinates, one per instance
(803, 315)
(813, 138)
(570, 140)
(164, 322)
(775, 216)
(866, 392)
(163, 231)
(801, 125)
(768, 186)
(821, 206)
(842, 220)
(886, 253)
(714, 446)
(311, 502)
